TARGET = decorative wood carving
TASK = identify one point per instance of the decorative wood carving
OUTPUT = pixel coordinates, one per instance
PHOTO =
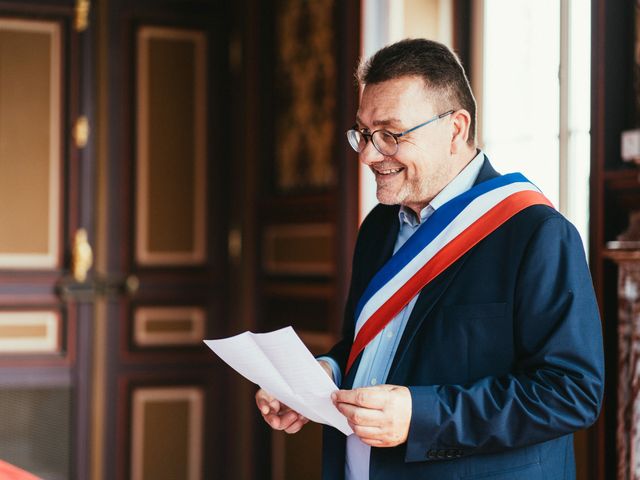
(626, 253)
(306, 67)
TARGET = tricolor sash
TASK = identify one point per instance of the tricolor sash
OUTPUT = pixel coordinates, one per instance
(450, 232)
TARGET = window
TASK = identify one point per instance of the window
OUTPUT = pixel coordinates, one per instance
(531, 78)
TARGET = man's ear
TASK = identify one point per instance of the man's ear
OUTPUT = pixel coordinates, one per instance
(460, 124)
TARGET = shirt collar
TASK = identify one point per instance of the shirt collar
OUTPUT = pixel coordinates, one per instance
(460, 184)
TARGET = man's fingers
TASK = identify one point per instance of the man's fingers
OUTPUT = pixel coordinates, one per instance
(266, 403)
(297, 425)
(277, 415)
(368, 397)
(374, 442)
(360, 416)
(275, 406)
(262, 401)
(366, 432)
(272, 420)
(269, 407)
(287, 419)
(282, 420)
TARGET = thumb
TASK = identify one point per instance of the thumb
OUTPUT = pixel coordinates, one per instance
(386, 387)
(266, 402)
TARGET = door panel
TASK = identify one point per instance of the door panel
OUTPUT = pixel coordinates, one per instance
(31, 331)
(30, 138)
(171, 146)
(167, 413)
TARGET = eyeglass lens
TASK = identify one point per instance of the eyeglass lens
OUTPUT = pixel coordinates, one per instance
(356, 140)
(383, 141)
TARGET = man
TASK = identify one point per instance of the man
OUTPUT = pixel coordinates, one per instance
(484, 358)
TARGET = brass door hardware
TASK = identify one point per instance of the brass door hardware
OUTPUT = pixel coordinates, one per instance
(82, 15)
(81, 256)
(82, 286)
(81, 131)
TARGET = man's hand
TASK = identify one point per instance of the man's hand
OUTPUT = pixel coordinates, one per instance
(278, 415)
(379, 415)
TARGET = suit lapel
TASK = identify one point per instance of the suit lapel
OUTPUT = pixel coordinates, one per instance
(381, 248)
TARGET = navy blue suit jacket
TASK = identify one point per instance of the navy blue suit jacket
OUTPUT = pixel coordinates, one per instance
(502, 354)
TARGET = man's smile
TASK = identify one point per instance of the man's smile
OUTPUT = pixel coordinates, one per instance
(378, 170)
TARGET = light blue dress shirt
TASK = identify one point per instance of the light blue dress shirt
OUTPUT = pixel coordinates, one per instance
(378, 355)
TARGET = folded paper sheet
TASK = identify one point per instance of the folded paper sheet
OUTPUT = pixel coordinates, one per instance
(283, 366)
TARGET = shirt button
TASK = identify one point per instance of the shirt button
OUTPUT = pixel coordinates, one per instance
(373, 381)
(389, 334)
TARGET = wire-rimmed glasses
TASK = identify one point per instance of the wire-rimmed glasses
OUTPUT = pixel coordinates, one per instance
(384, 141)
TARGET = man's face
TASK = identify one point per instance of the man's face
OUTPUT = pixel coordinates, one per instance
(420, 167)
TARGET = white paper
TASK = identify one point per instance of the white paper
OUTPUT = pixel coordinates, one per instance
(283, 366)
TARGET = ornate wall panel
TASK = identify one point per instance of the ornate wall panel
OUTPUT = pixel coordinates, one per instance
(307, 202)
(167, 429)
(30, 143)
(306, 71)
(30, 332)
(171, 146)
(168, 326)
(307, 217)
(303, 249)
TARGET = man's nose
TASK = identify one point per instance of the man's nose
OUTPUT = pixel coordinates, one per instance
(370, 155)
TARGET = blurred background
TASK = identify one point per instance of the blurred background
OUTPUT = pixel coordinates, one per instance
(173, 170)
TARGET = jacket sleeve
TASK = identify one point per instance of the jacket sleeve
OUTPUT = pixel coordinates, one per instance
(557, 383)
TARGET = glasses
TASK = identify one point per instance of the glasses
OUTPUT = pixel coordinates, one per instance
(384, 141)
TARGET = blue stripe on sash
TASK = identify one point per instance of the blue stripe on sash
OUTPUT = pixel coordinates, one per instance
(429, 230)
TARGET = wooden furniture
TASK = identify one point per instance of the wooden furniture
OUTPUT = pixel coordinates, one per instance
(615, 193)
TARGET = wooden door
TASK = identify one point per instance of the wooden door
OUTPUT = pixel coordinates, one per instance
(45, 328)
(164, 413)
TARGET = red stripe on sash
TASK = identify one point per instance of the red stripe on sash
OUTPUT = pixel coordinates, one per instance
(10, 472)
(447, 255)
